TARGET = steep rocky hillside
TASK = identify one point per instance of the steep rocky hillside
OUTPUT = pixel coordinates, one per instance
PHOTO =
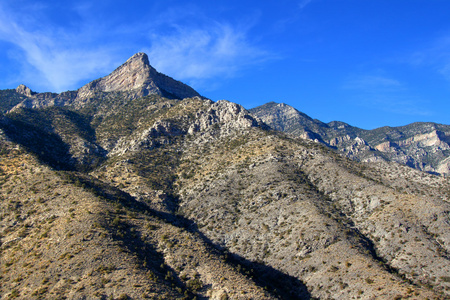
(329, 222)
(165, 198)
(423, 146)
(68, 235)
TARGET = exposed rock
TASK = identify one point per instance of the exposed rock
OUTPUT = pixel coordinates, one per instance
(41, 100)
(137, 76)
(184, 198)
(285, 118)
(231, 115)
(360, 141)
(24, 90)
(384, 147)
(444, 167)
(227, 115)
(339, 140)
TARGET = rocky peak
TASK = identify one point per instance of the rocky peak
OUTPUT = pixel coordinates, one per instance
(24, 90)
(133, 74)
(134, 79)
(138, 57)
(136, 75)
(283, 117)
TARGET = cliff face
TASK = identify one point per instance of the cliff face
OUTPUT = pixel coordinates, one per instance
(156, 197)
(424, 146)
(136, 75)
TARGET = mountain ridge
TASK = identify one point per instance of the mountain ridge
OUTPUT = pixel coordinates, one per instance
(167, 198)
(135, 78)
(421, 145)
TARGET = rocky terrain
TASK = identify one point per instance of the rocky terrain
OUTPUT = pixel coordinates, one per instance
(130, 189)
(423, 146)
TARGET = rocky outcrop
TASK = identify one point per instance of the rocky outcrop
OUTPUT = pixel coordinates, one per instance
(231, 115)
(220, 118)
(147, 139)
(339, 140)
(40, 100)
(24, 90)
(285, 118)
(444, 167)
(384, 147)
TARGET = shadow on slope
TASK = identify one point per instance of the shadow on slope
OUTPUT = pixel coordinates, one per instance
(277, 283)
(49, 133)
(49, 148)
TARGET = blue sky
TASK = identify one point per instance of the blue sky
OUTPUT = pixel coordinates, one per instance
(369, 63)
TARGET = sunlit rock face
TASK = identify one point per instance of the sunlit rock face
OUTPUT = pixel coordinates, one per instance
(137, 75)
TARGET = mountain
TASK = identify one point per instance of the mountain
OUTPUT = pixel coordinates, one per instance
(166, 197)
(135, 78)
(138, 76)
(423, 146)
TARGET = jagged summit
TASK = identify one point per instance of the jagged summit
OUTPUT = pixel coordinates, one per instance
(139, 56)
(137, 75)
(133, 74)
(24, 90)
(133, 79)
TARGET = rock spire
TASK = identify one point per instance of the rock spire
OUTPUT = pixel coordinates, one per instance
(138, 76)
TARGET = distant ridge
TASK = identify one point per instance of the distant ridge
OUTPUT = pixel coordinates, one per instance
(423, 146)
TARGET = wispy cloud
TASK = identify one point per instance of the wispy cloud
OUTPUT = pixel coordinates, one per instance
(196, 54)
(55, 59)
(189, 45)
(386, 94)
(435, 55)
(304, 3)
(58, 58)
(373, 83)
(291, 17)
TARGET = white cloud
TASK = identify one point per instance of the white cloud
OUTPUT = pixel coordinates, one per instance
(57, 57)
(435, 55)
(56, 60)
(385, 94)
(193, 54)
(372, 82)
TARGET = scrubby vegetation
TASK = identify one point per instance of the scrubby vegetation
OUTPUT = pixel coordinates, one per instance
(150, 197)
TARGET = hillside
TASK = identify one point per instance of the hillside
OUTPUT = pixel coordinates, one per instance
(423, 146)
(181, 198)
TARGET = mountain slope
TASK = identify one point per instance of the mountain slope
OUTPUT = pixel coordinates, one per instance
(71, 236)
(304, 211)
(183, 198)
(424, 146)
